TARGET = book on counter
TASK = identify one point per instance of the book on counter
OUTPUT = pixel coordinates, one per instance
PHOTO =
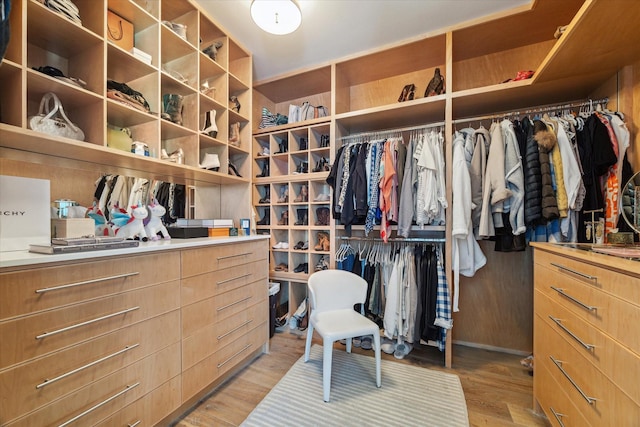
(207, 223)
(68, 241)
(85, 247)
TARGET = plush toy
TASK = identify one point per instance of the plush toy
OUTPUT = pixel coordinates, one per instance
(129, 227)
(153, 224)
(103, 228)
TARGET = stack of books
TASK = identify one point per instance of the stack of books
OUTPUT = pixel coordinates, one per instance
(141, 55)
(83, 244)
(185, 228)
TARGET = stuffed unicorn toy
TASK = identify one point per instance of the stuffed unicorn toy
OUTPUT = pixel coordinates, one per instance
(103, 228)
(129, 227)
(153, 224)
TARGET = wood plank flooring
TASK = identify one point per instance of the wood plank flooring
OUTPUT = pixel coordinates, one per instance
(497, 389)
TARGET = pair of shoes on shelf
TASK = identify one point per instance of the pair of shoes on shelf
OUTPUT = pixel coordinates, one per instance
(408, 93)
(175, 157)
(281, 245)
(322, 165)
(303, 167)
(323, 263)
(301, 245)
(323, 242)
(210, 128)
(265, 170)
(284, 194)
(265, 218)
(302, 268)
(323, 197)
(265, 152)
(324, 141)
(233, 170)
(303, 195)
(284, 219)
(282, 267)
(267, 196)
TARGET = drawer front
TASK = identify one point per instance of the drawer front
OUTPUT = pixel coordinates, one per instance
(214, 258)
(202, 374)
(208, 340)
(108, 395)
(37, 335)
(40, 289)
(595, 396)
(612, 359)
(36, 384)
(624, 286)
(558, 408)
(614, 316)
(203, 286)
(211, 310)
(148, 410)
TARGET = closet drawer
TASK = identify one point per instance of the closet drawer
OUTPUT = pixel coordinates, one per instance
(212, 338)
(206, 285)
(211, 368)
(150, 409)
(600, 401)
(37, 383)
(606, 312)
(30, 291)
(623, 285)
(106, 396)
(211, 310)
(559, 409)
(33, 336)
(214, 258)
(612, 359)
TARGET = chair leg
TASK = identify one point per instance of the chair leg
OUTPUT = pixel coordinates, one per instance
(349, 342)
(376, 347)
(307, 346)
(327, 354)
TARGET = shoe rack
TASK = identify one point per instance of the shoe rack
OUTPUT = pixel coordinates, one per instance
(479, 61)
(179, 65)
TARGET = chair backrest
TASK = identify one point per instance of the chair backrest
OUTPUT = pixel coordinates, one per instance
(335, 290)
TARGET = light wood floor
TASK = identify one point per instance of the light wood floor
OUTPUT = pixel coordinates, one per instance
(497, 389)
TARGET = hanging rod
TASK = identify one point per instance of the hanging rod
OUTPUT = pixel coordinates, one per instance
(537, 109)
(397, 239)
(405, 129)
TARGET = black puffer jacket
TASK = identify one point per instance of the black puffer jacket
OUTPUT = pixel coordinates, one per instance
(546, 141)
(532, 177)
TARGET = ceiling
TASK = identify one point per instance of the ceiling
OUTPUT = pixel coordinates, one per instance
(333, 29)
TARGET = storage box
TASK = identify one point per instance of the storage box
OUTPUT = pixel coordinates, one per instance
(187, 232)
(65, 228)
(25, 217)
(219, 232)
(119, 31)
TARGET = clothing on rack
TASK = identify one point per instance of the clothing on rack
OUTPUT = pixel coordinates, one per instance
(539, 174)
(386, 180)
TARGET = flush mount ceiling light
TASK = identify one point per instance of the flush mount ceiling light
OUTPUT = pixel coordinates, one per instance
(276, 16)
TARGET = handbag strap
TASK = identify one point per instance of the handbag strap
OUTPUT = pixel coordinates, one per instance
(57, 108)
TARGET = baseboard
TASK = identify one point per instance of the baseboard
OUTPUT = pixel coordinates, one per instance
(492, 348)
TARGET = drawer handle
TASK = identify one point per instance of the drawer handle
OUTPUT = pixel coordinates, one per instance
(558, 363)
(86, 282)
(104, 402)
(233, 256)
(574, 299)
(134, 424)
(558, 416)
(570, 270)
(68, 328)
(233, 278)
(574, 336)
(232, 304)
(234, 329)
(88, 365)
(220, 365)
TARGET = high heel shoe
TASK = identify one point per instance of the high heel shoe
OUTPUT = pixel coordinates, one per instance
(303, 196)
(236, 103)
(210, 127)
(232, 168)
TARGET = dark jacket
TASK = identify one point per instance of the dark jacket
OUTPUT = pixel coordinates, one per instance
(532, 177)
(546, 141)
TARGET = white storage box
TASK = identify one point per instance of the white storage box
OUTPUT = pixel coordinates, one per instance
(25, 213)
(66, 228)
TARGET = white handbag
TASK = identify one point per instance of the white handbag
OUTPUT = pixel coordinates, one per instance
(54, 121)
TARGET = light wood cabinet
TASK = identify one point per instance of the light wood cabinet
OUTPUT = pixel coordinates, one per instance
(225, 315)
(587, 309)
(100, 336)
(124, 342)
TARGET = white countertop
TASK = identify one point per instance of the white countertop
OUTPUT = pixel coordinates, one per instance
(25, 258)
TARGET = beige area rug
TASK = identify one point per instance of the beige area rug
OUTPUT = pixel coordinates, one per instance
(409, 396)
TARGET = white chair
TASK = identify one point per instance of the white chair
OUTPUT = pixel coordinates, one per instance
(333, 295)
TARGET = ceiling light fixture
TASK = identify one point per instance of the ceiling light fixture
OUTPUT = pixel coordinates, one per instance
(276, 16)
